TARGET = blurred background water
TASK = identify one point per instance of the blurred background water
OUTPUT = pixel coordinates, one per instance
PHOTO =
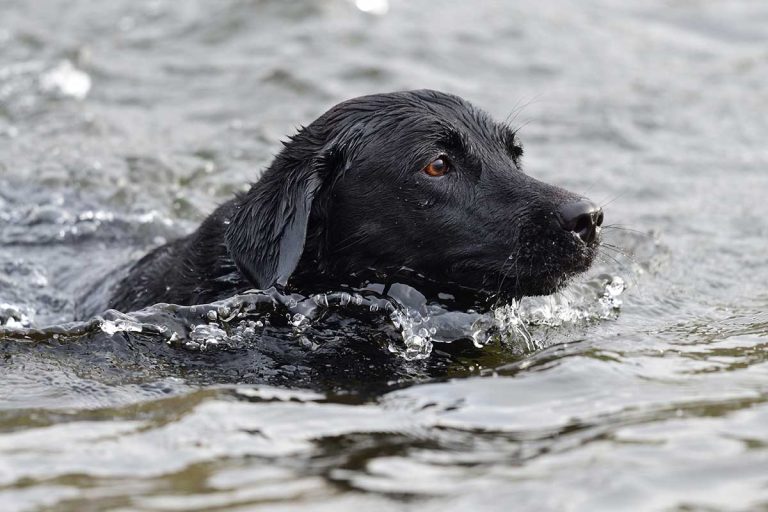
(123, 123)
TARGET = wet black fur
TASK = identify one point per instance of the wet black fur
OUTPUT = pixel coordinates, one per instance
(346, 202)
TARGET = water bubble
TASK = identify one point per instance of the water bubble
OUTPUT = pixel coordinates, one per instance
(205, 336)
(114, 326)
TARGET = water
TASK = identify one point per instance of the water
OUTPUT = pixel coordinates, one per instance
(642, 387)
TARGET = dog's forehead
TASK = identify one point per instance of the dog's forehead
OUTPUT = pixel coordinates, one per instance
(447, 108)
(415, 118)
(438, 113)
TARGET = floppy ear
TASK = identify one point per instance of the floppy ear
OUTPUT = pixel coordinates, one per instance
(268, 228)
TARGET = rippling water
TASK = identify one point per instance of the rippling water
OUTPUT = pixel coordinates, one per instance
(642, 387)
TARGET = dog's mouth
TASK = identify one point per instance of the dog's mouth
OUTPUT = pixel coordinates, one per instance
(479, 283)
(537, 273)
(474, 286)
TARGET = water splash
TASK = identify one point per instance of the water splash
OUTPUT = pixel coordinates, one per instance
(230, 323)
(524, 324)
(66, 80)
(15, 317)
(611, 300)
(416, 332)
(504, 324)
(112, 327)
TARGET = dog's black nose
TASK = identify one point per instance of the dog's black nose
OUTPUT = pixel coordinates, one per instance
(583, 217)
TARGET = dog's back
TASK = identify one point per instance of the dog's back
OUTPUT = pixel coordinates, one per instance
(190, 270)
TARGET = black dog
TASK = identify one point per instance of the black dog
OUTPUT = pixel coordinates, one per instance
(415, 187)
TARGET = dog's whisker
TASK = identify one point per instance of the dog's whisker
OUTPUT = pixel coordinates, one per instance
(517, 110)
(592, 185)
(616, 197)
(620, 227)
(612, 258)
(618, 250)
(508, 270)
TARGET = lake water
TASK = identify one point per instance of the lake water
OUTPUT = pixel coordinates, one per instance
(642, 387)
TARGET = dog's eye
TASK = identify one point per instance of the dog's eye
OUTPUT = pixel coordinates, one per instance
(438, 167)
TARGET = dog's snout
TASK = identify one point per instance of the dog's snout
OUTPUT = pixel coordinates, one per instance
(583, 218)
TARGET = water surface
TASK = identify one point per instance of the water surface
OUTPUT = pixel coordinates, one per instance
(643, 387)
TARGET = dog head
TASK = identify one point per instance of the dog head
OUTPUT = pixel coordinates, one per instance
(416, 186)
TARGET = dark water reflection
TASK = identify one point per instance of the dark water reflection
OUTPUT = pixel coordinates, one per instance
(122, 124)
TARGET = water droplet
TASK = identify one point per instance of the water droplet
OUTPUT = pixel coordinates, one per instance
(66, 80)
(377, 7)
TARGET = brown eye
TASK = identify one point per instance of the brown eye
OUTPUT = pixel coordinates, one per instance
(437, 167)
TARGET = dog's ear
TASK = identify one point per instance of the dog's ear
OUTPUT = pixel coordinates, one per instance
(268, 228)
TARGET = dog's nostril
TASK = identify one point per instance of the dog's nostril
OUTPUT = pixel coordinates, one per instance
(582, 218)
(599, 219)
(583, 223)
